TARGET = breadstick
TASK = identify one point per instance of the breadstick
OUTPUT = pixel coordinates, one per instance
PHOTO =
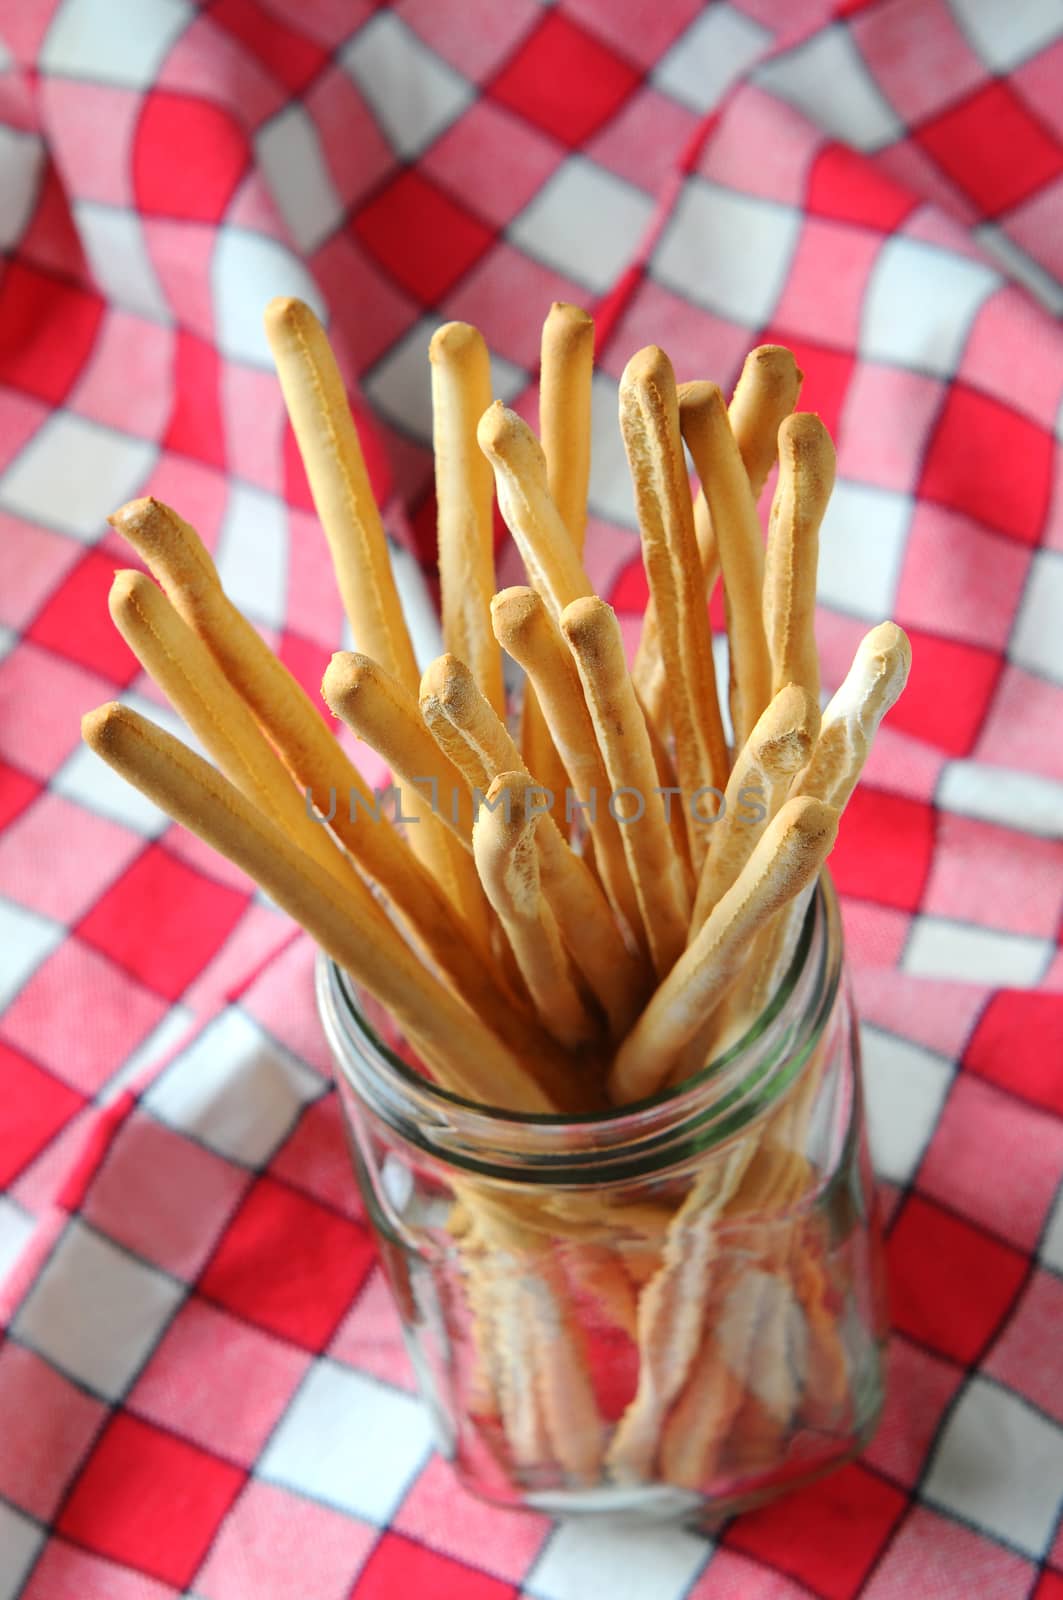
(525, 629)
(199, 691)
(733, 512)
(788, 855)
(328, 443)
(178, 559)
(593, 636)
(648, 673)
(565, 412)
(465, 500)
(765, 394)
(779, 746)
(649, 422)
(468, 1058)
(377, 708)
(508, 864)
(806, 477)
(479, 745)
(872, 685)
(551, 559)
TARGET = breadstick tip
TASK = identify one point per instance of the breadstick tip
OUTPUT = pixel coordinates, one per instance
(787, 729)
(567, 325)
(285, 313)
(649, 367)
(448, 683)
(588, 623)
(454, 341)
(811, 823)
(501, 432)
(101, 728)
(126, 585)
(776, 363)
(698, 397)
(804, 435)
(513, 608)
(345, 674)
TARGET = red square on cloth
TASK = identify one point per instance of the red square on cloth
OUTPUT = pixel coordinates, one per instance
(150, 1500)
(289, 1265)
(993, 148)
(484, 1535)
(564, 80)
(219, 1382)
(285, 52)
(884, 847)
(162, 1195)
(214, 156)
(934, 1555)
(845, 186)
(919, 1389)
(1024, 1355)
(398, 1566)
(950, 1283)
(47, 329)
(67, 1573)
(16, 792)
(991, 463)
(1018, 1044)
(48, 1425)
(76, 623)
(959, 578)
(947, 695)
(82, 1042)
(279, 1546)
(465, 157)
(162, 922)
(828, 1535)
(420, 235)
(982, 1129)
(36, 1106)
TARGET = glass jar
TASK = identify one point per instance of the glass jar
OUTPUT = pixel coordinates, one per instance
(675, 1309)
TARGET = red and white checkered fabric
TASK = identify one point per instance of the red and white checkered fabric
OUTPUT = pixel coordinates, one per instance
(202, 1386)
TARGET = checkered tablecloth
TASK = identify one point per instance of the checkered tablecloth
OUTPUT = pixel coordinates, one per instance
(202, 1386)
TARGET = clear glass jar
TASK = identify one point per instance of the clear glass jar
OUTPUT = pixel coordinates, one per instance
(676, 1309)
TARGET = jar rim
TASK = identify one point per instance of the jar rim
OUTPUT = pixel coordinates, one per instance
(706, 1110)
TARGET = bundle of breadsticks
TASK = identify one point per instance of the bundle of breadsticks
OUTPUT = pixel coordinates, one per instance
(570, 916)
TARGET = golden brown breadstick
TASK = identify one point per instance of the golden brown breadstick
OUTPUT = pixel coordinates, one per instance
(806, 477)
(566, 367)
(739, 543)
(551, 559)
(178, 559)
(779, 746)
(593, 636)
(377, 708)
(479, 745)
(464, 1053)
(648, 675)
(525, 629)
(788, 855)
(328, 443)
(765, 394)
(508, 864)
(649, 421)
(465, 501)
(199, 691)
(872, 685)
(671, 1315)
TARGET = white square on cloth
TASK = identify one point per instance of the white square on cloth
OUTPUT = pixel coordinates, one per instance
(999, 1464)
(861, 548)
(111, 41)
(1037, 639)
(906, 1088)
(726, 251)
(585, 222)
(349, 1442)
(122, 1307)
(592, 1559)
(920, 304)
(100, 469)
(234, 1089)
